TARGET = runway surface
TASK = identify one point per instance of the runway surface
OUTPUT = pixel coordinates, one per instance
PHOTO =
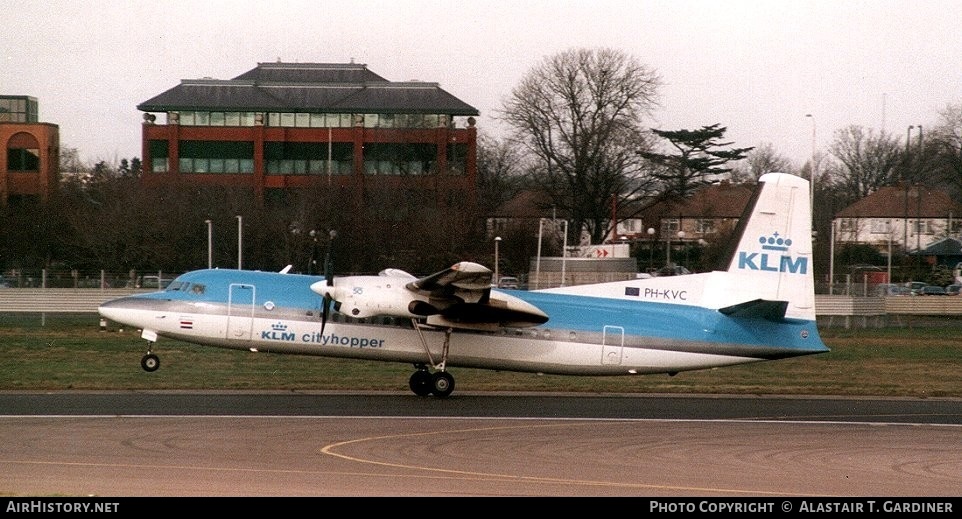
(386, 444)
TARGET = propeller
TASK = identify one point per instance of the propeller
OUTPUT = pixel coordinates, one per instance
(329, 279)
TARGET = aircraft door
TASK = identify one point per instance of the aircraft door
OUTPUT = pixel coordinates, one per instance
(613, 342)
(240, 312)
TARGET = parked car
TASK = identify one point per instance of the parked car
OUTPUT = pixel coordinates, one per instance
(509, 282)
(915, 287)
(954, 289)
(891, 289)
(932, 290)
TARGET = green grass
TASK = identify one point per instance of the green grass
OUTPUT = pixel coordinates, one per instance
(922, 358)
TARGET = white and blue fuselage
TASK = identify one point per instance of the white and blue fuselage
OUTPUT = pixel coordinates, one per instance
(759, 307)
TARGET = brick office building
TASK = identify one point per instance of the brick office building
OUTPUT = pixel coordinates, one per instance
(284, 126)
(29, 163)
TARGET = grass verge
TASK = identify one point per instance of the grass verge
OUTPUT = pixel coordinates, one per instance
(922, 358)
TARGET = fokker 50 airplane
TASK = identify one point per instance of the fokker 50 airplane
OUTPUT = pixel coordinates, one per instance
(760, 305)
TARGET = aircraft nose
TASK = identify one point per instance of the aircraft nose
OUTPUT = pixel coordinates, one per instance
(118, 310)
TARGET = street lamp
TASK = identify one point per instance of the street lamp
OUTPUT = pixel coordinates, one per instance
(537, 265)
(240, 248)
(681, 241)
(210, 245)
(564, 253)
(497, 277)
(651, 248)
(811, 184)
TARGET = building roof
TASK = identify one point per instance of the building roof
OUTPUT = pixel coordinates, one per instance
(904, 202)
(311, 87)
(723, 200)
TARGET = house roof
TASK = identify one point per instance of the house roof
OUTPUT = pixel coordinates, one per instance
(723, 200)
(316, 87)
(943, 247)
(903, 202)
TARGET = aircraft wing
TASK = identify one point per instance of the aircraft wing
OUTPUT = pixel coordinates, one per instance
(463, 296)
(467, 281)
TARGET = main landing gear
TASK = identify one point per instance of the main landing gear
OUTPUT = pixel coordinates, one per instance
(440, 383)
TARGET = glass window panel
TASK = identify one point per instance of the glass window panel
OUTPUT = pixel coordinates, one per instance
(287, 119)
(202, 118)
(317, 166)
(231, 166)
(217, 165)
(300, 167)
(217, 118)
(302, 120)
(387, 120)
(159, 165)
(287, 166)
(186, 165)
(232, 119)
(370, 120)
(201, 165)
(274, 119)
(318, 121)
(347, 120)
(186, 118)
(247, 118)
(430, 121)
(247, 165)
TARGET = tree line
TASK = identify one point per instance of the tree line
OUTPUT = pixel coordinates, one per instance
(579, 135)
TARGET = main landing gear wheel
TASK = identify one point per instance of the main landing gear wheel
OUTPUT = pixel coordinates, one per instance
(421, 382)
(150, 362)
(442, 384)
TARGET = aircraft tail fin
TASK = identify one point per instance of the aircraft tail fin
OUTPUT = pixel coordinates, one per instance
(771, 258)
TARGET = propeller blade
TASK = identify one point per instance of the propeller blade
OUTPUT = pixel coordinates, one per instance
(325, 312)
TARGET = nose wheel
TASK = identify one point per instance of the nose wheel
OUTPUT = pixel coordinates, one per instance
(150, 361)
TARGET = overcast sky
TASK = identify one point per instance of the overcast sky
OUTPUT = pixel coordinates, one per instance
(757, 67)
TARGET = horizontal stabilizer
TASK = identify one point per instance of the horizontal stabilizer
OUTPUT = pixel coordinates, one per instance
(757, 309)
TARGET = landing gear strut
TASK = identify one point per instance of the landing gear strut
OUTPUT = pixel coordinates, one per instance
(440, 383)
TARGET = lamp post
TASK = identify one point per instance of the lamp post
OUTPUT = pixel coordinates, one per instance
(681, 241)
(651, 248)
(497, 277)
(564, 253)
(210, 245)
(811, 184)
(240, 241)
(537, 265)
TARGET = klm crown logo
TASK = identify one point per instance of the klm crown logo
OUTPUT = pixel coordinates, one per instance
(775, 242)
(778, 259)
(279, 327)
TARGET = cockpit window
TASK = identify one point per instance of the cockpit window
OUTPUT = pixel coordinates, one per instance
(184, 286)
(177, 286)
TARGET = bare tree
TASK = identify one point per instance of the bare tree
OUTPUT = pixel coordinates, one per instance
(760, 160)
(946, 145)
(500, 169)
(866, 161)
(579, 113)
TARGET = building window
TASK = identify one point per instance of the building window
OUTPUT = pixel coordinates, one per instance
(309, 158)
(881, 226)
(23, 153)
(159, 156)
(23, 159)
(670, 225)
(216, 157)
(705, 226)
(457, 159)
(400, 159)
